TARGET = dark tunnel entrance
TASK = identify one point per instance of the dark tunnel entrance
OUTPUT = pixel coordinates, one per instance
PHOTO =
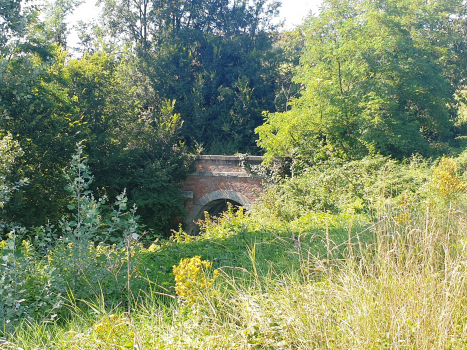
(214, 203)
(215, 209)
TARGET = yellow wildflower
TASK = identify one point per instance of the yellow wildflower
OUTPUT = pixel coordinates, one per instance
(191, 279)
(445, 181)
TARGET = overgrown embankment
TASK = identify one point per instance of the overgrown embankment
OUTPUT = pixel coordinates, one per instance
(377, 262)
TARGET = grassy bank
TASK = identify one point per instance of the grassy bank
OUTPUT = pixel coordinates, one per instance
(406, 289)
(392, 275)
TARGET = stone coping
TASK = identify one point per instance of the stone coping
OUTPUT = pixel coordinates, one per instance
(224, 174)
(227, 158)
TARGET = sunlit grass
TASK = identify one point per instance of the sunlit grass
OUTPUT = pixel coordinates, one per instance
(405, 289)
(395, 280)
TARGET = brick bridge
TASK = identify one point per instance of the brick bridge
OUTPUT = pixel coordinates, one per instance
(219, 180)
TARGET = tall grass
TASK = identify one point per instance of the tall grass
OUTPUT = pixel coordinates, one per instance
(406, 289)
(319, 281)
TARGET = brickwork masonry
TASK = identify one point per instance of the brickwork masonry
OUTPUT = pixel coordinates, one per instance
(217, 178)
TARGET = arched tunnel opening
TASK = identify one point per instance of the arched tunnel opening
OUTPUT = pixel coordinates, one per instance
(214, 208)
(214, 203)
(218, 206)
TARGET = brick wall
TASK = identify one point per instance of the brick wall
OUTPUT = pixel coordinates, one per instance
(220, 173)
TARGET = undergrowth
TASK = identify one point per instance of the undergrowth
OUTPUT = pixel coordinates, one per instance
(389, 272)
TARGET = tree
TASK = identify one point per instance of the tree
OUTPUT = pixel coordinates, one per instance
(102, 101)
(214, 58)
(41, 116)
(13, 22)
(55, 26)
(379, 76)
(130, 145)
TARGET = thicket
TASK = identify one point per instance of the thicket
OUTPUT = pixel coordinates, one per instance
(375, 273)
(49, 104)
(139, 92)
(352, 249)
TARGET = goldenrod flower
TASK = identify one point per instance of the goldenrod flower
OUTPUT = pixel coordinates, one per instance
(190, 278)
(445, 180)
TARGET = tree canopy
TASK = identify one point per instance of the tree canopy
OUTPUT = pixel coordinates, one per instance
(157, 80)
(378, 76)
(214, 58)
(153, 80)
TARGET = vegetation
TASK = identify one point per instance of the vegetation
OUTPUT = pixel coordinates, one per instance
(90, 100)
(359, 238)
(266, 279)
(140, 93)
(379, 77)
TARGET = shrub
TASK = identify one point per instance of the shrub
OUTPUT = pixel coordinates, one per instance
(363, 186)
(29, 286)
(86, 256)
(9, 151)
(445, 180)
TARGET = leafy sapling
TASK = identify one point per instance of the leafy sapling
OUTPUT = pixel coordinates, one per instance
(12, 292)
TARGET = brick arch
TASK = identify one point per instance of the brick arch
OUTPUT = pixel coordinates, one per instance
(206, 202)
(217, 180)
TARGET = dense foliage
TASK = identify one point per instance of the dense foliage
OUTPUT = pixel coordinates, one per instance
(270, 266)
(144, 92)
(215, 58)
(362, 244)
(378, 76)
(49, 104)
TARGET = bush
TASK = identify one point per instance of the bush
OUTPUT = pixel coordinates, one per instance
(363, 186)
(29, 286)
(86, 256)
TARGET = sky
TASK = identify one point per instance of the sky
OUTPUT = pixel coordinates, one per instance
(293, 11)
